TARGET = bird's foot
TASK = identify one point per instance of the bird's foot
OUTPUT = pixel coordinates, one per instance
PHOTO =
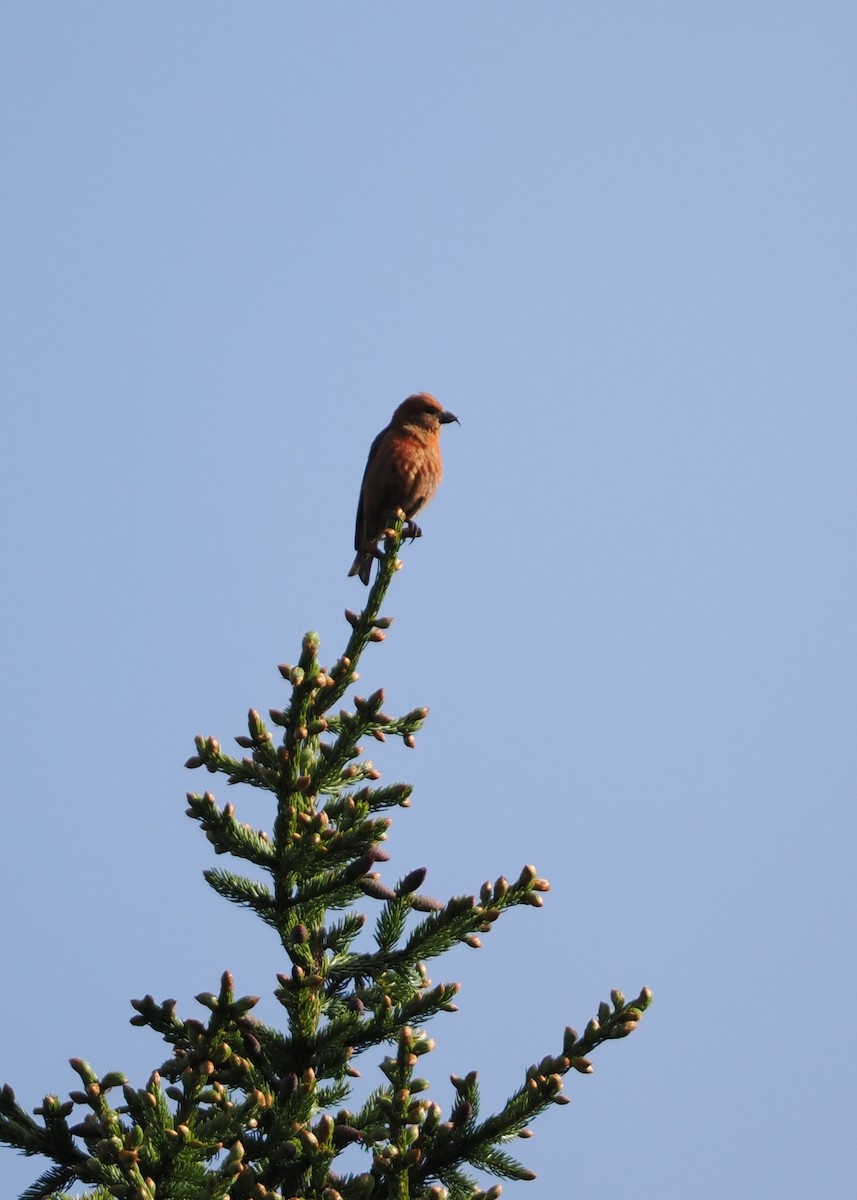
(411, 530)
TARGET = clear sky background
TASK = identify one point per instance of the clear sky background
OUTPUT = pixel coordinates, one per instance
(618, 240)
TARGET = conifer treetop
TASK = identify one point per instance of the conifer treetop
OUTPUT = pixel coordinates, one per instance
(243, 1109)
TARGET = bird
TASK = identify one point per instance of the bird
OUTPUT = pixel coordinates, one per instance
(403, 471)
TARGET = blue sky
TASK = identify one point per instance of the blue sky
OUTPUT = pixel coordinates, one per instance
(617, 240)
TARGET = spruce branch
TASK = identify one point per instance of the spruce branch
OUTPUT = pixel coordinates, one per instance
(245, 1109)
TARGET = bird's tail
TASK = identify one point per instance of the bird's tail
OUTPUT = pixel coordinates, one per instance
(362, 566)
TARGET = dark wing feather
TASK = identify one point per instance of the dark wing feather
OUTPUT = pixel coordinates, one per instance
(359, 531)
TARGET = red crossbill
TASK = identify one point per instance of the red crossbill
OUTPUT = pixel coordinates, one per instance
(403, 471)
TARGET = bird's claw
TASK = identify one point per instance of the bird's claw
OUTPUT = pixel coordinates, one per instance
(411, 530)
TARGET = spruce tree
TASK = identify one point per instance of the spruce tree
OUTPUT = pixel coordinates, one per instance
(246, 1110)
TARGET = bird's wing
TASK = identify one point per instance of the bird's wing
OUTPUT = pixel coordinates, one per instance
(359, 531)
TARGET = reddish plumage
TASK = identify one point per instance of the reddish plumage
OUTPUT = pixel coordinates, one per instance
(403, 471)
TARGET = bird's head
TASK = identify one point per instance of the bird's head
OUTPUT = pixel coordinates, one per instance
(422, 411)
